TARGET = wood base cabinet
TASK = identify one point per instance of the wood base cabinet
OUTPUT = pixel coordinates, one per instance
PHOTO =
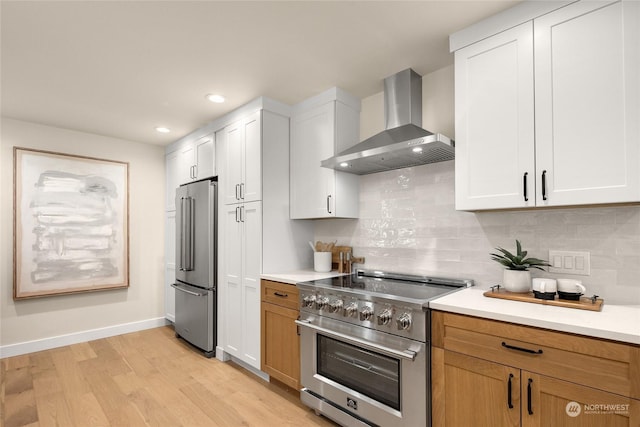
(280, 339)
(491, 373)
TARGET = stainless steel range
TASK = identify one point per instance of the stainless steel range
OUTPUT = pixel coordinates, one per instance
(365, 346)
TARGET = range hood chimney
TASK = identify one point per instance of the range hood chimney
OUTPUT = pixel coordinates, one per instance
(403, 143)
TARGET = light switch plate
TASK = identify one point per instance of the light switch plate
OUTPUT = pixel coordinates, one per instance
(570, 262)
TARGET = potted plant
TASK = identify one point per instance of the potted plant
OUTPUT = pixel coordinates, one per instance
(516, 276)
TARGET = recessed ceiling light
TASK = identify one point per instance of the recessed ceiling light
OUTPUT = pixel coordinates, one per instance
(417, 149)
(344, 164)
(163, 129)
(215, 98)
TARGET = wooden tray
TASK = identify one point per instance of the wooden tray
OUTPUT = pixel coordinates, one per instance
(584, 303)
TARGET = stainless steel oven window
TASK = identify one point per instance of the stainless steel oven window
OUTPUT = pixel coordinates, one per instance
(362, 370)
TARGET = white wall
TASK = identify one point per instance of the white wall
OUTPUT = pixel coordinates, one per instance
(408, 222)
(48, 317)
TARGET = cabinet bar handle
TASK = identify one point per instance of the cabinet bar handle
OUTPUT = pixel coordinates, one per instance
(544, 185)
(509, 401)
(526, 350)
(242, 214)
(329, 203)
(237, 191)
(242, 191)
(278, 294)
(529, 408)
(524, 183)
(237, 210)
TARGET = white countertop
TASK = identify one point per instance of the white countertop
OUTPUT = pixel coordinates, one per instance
(293, 277)
(614, 322)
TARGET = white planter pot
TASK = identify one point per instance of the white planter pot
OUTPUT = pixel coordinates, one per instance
(516, 280)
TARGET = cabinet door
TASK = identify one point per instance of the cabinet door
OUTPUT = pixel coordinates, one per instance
(312, 140)
(251, 219)
(232, 280)
(477, 392)
(186, 162)
(550, 402)
(205, 157)
(231, 176)
(588, 103)
(170, 265)
(252, 154)
(281, 344)
(494, 110)
(172, 180)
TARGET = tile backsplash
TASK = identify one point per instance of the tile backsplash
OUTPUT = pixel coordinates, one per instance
(408, 223)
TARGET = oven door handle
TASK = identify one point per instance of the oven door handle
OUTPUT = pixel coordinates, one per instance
(404, 354)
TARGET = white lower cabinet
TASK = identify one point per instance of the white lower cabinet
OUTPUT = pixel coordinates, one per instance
(170, 265)
(242, 228)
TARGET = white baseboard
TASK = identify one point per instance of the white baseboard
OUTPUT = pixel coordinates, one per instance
(78, 337)
(256, 372)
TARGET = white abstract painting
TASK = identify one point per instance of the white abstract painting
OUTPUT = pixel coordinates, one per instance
(71, 224)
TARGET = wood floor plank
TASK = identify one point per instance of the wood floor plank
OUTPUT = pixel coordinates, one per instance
(53, 410)
(18, 380)
(85, 411)
(220, 413)
(20, 409)
(82, 351)
(147, 378)
(116, 405)
(153, 412)
(47, 383)
(70, 376)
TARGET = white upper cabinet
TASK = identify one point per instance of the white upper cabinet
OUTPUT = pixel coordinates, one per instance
(241, 142)
(205, 157)
(191, 161)
(494, 122)
(547, 112)
(320, 128)
(587, 111)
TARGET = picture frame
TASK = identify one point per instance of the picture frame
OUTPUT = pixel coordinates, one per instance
(70, 224)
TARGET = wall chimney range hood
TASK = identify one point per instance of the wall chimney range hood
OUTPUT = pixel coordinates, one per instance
(403, 143)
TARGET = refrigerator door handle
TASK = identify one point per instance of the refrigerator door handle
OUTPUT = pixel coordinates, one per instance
(189, 234)
(182, 224)
(195, 294)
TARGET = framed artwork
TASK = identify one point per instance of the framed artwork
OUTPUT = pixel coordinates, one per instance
(70, 224)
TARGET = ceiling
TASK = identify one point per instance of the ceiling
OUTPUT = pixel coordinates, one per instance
(121, 68)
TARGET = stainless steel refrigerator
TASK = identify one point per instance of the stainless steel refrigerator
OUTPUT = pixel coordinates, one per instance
(196, 259)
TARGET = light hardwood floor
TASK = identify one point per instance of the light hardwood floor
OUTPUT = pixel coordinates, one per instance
(146, 378)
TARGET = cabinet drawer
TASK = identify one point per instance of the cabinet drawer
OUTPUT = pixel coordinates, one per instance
(281, 294)
(606, 365)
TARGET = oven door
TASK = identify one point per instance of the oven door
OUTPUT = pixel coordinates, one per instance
(359, 376)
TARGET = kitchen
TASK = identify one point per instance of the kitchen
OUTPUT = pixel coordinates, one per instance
(407, 223)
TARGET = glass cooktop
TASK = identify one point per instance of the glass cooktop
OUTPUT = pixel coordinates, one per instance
(391, 285)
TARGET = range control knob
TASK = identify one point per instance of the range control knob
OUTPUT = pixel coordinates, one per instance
(322, 302)
(335, 305)
(351, 309)
(384, 318)
(308, 301)
(404, 321)
(366, 313)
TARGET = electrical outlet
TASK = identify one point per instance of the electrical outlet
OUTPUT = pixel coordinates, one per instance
(570, 262)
